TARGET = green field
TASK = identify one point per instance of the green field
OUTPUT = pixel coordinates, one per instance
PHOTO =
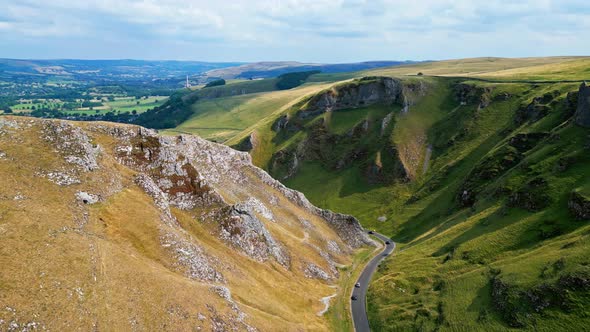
(119, 104)
(128, 104)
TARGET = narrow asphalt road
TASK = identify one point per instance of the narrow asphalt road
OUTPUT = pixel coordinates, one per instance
(359, 306)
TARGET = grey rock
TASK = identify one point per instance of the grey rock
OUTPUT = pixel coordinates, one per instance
(191, 258)
(61, 178)
(87, 198)
(313, 271)
(243, 230)
(73, 143)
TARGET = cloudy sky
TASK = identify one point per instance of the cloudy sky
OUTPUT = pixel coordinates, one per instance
(303, 30)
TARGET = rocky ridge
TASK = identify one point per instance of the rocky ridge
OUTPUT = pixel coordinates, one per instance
(218, 188)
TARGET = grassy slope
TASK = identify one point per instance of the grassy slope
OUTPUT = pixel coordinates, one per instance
(497, 67)
(224, 118)
(407, 293)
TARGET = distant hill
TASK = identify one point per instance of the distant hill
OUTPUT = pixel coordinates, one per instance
(107, 69)
(273, 69)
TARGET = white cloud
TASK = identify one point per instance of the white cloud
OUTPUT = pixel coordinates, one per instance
(311, 29)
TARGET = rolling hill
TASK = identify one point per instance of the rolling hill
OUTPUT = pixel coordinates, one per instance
(273, 69)
(478, 168)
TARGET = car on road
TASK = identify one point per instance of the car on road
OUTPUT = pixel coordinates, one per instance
(357, 285)
(387, 242)
(354, 298)
(371, 232)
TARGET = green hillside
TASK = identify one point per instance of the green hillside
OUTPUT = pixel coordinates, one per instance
(475, 167)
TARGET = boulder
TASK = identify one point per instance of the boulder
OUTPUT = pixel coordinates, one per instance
(582, 115)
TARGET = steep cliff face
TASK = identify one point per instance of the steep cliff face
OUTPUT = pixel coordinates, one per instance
(360, 93)
(127, 230)
(582, 116)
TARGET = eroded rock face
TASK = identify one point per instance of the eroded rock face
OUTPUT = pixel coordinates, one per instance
(213, 163)
(73, 143)
(364, 92)
(582, 115)
(243, 230)
(468, 94)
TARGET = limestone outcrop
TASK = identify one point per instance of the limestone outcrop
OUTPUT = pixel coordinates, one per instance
(359, 93)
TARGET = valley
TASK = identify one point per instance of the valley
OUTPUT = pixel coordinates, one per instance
(294, 166)
(477, 168)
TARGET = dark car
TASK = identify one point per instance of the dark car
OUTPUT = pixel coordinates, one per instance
(387, 242)
(371, 232)
(357, 285)
(354, 298)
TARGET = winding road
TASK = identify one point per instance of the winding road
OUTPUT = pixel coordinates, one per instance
(359, 306)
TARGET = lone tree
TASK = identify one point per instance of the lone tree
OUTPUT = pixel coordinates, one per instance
(420, 74)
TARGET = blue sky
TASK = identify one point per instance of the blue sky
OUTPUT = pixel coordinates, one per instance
(302, 30)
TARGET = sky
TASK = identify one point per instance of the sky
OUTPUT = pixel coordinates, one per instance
(325, 31)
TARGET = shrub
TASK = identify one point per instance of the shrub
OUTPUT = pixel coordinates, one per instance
(218, 82)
